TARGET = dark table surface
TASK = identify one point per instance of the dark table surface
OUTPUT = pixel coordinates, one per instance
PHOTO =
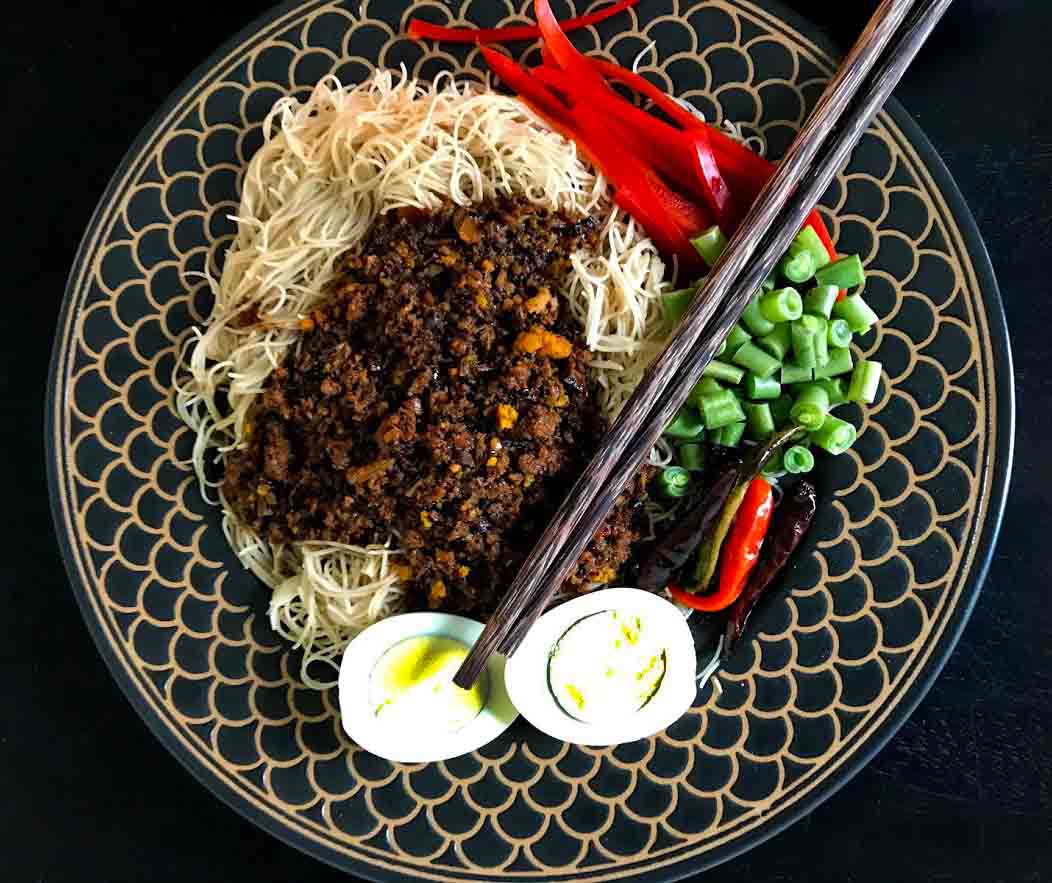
(963, 792)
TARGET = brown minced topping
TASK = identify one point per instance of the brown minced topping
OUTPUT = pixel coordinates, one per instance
(440, 393)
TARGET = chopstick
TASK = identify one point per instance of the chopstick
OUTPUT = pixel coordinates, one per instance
(835, 154)
(834, 128)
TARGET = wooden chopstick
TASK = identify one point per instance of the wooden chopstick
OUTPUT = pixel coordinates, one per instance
(834, 155)
(644, 416)
(762, 237)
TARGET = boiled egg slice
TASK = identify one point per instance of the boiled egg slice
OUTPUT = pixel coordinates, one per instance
(397, 696)
(608, 667)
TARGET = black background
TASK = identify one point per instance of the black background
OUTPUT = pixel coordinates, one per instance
(962, 792)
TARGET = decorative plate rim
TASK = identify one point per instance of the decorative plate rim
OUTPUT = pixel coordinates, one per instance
(929, 662)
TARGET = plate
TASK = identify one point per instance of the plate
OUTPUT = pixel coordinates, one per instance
(867, 617)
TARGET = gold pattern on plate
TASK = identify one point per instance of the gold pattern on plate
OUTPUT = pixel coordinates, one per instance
(895, 539)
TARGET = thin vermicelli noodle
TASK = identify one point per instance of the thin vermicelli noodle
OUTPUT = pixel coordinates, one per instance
(328, 167)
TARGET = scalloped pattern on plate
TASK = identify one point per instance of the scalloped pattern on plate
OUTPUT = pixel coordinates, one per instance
(876, 586)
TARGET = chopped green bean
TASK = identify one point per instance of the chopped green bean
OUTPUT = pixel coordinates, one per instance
(797, 266)
(821, 342)
(782, 305)
(840, 362)
(846, 272)
(834, 435)
(781, 408)
(804, 331)
(777, 343)
(752, 358)
(720, 408)
(705, 386)
(808, 239)
(834, 388)
(762, 387)
(673, 482)
(720, 350)
(839, 334)
(856, 312)
(810, 407)
(686, 425)
(754, 320)
(674, 304)
(774, 465)
(729, 436)
(769, 283)
(722, 371)
(710, 245)
(798, 459)
(735, 338)
(819, 300)
(865, 380)
(691, 456)
(796, 374)
(759, 420)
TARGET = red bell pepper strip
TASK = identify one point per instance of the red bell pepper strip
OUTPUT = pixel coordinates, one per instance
(703, 156)
(652, 135)
(426, 30)
(638, 83)
(732, 157)
(740, 551)
(634, 189)
(562, 50)
(735, 161)
(708, 170)
(690, 218)
(531, 90)
(639, 202)
(634, 186)
(678, 156)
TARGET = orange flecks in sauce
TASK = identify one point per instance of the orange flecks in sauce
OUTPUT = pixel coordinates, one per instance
(507, 416)
(539, 301)
(543, 342)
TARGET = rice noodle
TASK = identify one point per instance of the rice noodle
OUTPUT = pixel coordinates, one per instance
(328, 167)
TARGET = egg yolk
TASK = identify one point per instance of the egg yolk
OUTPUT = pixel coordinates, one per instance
(412, 685)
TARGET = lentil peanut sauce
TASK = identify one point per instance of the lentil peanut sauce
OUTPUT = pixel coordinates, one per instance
(440, 393)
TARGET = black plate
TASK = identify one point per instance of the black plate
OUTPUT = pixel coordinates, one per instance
(871, 612)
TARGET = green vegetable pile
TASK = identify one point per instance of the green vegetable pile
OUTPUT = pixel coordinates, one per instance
(787, 362)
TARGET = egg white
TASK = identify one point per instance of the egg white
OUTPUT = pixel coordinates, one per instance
(526, 673)
(403, 742)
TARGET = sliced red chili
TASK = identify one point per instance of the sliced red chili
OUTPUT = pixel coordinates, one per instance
(740, 551)
(426, 30)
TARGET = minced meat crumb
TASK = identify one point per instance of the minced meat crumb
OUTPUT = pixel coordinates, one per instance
(441, 393)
